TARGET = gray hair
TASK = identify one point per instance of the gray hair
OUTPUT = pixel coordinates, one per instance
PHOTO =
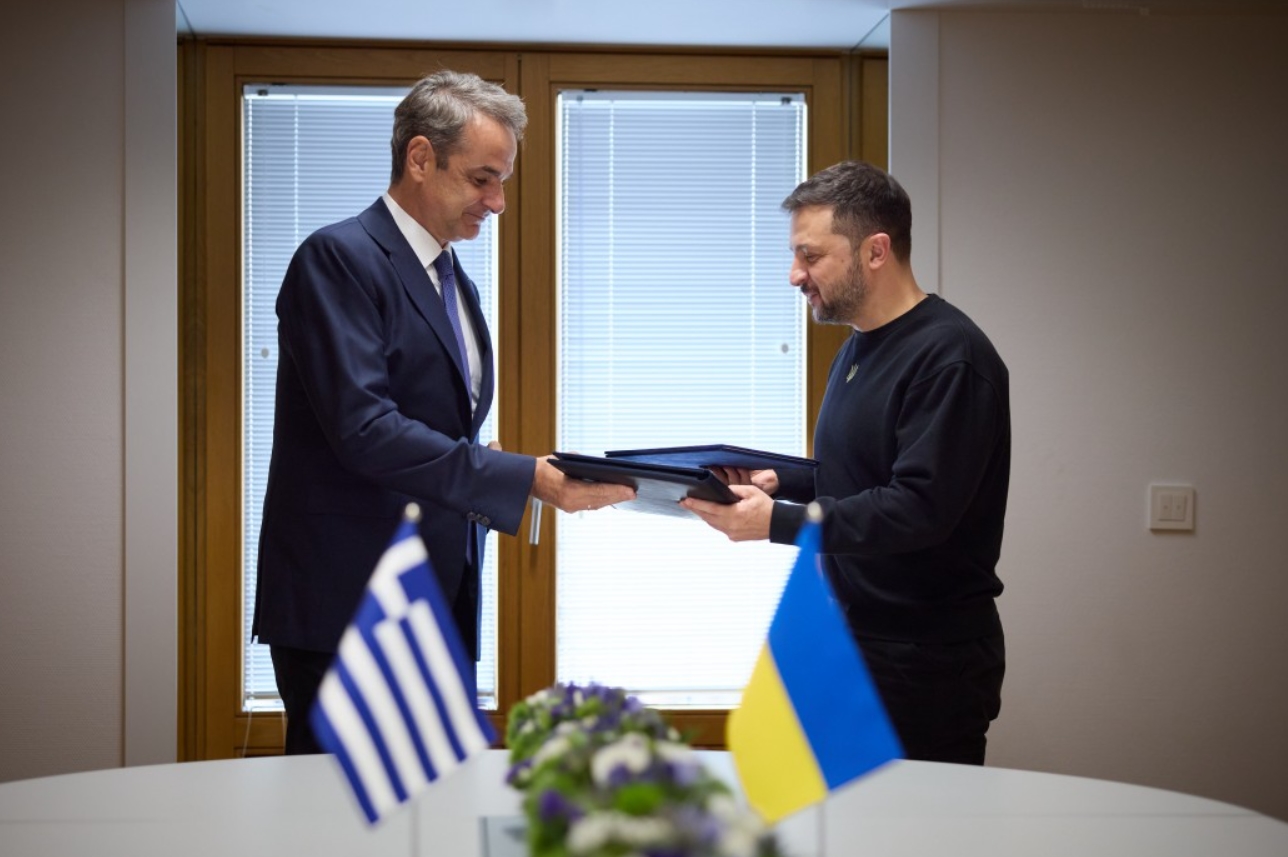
(439, 107)
(864, 199)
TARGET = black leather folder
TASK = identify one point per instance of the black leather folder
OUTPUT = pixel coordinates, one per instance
(658, 487)
(712, 455)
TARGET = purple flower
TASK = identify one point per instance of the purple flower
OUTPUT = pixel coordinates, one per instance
(619, 776)
(552, 806)
(683, 773)
(698, 824)
(517, 770)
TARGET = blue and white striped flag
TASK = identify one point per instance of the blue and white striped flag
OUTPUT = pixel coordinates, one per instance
(397, 707)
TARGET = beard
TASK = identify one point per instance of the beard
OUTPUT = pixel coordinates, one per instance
(844, 306)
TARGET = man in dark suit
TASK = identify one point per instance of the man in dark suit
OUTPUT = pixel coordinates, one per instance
(385, 376)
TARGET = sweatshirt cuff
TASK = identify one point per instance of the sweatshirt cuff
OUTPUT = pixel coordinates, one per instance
(785, 522)
(796, 484)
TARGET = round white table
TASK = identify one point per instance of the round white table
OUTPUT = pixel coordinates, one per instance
(301, 806)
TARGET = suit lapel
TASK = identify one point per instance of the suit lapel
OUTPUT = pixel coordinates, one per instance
(380, 225)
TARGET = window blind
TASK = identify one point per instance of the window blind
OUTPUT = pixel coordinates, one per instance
(676, 326)
(312, 156)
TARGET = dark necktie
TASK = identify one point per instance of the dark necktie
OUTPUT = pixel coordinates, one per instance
(447, 279)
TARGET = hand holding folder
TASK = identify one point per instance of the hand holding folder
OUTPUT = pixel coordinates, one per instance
(664, 476)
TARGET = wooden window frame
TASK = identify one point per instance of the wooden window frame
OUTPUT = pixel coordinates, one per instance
(212, 726)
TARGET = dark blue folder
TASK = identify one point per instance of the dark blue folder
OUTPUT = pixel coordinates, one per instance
(712, 455)
(658, 487)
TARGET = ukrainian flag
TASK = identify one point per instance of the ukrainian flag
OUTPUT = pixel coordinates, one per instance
(810, 719)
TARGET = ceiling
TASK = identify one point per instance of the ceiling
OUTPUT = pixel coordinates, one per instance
(837, 24)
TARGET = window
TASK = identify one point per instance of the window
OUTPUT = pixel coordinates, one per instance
(266, 164)
(314, 155)
(676, 326)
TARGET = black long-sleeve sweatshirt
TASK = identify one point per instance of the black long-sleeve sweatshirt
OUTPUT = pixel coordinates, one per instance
(914, 448)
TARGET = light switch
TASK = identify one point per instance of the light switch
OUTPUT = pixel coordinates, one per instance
(1171, 507)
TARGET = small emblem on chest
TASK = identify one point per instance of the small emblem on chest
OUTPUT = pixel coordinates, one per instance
(850, 375)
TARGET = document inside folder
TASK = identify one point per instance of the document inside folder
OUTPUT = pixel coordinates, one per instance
(658, 487)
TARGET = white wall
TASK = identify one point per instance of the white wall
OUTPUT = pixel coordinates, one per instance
(1105, 195)
(87, 532)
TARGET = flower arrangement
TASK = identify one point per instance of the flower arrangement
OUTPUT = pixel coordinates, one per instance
(604, 776)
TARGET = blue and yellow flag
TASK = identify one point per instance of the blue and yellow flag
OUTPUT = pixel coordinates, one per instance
(810, 719)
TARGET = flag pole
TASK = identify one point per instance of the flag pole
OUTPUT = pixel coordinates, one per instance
(412, 513)
(822, 827)
(814, 514)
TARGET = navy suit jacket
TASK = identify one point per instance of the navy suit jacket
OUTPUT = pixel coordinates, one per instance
(372, 412)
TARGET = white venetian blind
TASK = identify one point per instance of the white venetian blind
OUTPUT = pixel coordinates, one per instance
(677, 326)
(312, 156)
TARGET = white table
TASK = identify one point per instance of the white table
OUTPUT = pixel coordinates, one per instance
(300, 806)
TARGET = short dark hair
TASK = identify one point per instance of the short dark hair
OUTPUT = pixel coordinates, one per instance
(439, 107)
(864, 199)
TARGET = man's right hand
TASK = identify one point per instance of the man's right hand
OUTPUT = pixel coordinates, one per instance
(551, 485)
(765, 480)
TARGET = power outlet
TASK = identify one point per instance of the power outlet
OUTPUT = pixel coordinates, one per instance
(1171, 507)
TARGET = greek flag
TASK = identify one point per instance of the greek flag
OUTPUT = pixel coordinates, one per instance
(397, 707)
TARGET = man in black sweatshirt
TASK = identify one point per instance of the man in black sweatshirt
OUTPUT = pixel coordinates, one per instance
(913, 442)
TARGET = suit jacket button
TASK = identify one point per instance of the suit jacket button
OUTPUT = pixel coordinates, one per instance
(485, 521)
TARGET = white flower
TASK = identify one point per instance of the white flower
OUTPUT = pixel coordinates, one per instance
(741, 829)
(735, 842)
(642, 830)
(676, 754)
(541, 696)
(552, 748)
(589, 833)
(592, 832)
(631, 751)
(723, 807)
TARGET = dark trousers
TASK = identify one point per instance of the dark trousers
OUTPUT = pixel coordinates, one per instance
(941, 697)
(299, 674)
